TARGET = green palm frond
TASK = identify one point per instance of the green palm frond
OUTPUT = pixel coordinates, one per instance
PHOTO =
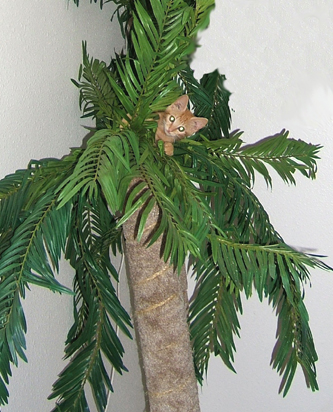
(184, 215)
(233, 206)
(213, 318)
(12, 200)
(24, 262)
(96, 308)
(252, 264)
(86, 367)
(149, 191)
(97, 98)
(293, 327)
(200, 19)
(147, 79)
(33, 242)
(33, 236)
(20, 190)
(275, 271)
(12, 183)
(110, 156)
(284, 155)
(97, 337)
(12, 340)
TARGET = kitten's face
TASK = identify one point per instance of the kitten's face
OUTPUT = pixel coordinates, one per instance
(178, 122)
(176, 125)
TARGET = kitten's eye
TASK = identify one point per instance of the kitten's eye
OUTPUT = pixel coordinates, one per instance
(181, 128)
(172, 118)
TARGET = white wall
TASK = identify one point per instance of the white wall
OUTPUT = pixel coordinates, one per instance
(277, 58)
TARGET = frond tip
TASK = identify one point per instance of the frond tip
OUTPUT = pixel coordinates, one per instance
(284, 155)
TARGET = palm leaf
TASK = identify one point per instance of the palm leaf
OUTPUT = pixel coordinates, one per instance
(294, 344)
(147, 79)
(108, 158)
(178, 239)
(234, 207)
(203, 10)
(276, 271)
(213, 318)
(284, 155)
(26, 261)
(33, 236)
(92, 335)
(184, 220)
(97, 98)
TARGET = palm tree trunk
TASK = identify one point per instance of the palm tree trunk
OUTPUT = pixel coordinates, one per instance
(159, 306)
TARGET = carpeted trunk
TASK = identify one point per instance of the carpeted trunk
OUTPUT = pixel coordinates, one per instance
(159, 306)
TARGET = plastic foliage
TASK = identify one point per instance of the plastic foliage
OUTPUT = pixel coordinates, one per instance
(75, 207)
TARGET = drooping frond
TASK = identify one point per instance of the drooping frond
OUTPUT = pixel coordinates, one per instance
(12, 199)
(200, 19)
(213, 318)
(294, 344)
(97, 310)
(24, 262)
(33, 236)
(234, 208)
(275, 271)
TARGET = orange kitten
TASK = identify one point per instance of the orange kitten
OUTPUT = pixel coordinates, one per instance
(176, 123)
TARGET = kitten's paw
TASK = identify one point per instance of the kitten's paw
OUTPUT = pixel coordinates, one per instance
(168, 148)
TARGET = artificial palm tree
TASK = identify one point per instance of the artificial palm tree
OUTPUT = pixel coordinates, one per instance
(122, 193)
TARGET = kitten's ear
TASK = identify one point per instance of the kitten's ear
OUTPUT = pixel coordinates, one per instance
(180, 104)
(198, 123)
